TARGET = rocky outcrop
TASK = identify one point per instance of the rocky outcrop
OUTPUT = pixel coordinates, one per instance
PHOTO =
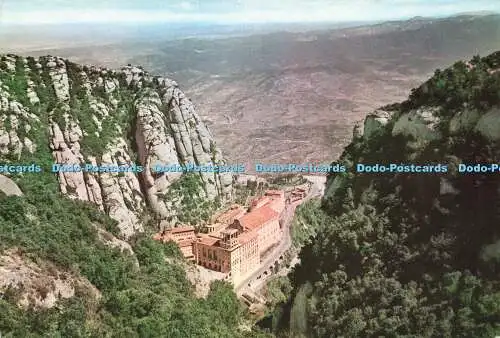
(156, 147)
(443, 112)
(463, 121)
(59, 76)
(176, 139)
(121, 193)
(418, 123)
(36, 286)
(66, 151)
(9, 187)
(108, 118)
(374, 122)
(110, 240)
(15, 124)
(489, 125)
(358, 130)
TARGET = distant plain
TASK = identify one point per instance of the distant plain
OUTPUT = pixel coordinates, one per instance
(285, 94)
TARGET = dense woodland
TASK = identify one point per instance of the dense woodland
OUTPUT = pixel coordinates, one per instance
(408, 255)
(153, 299)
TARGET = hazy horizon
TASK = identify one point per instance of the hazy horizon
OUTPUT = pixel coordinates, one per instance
(33, 12)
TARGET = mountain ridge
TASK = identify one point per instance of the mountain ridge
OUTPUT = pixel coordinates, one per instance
(77, 258)
(101, 117)
(410, 254)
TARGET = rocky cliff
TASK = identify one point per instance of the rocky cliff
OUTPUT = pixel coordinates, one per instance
(411, 253)
(52, 110)
(457, 105)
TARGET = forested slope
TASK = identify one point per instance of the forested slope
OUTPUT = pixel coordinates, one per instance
(411, 254)
(65, 267)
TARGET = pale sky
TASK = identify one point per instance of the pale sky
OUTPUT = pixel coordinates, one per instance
(231, 11)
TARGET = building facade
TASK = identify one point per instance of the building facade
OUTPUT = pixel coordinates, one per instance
(183, 236)
(236, 239)
(264, 221)
(233, 253)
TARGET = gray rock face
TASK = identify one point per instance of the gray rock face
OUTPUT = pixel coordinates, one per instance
(374, 122)
(15, 123)
(59, 76)
(358, 130)
(102, 117)
(489, 125)
(156, 147)
(27, 277)
(9, 187)
(66, 151)
(464, 120)
(420, 124)
(170, 132)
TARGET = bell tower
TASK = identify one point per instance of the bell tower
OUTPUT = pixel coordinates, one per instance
(229, 238)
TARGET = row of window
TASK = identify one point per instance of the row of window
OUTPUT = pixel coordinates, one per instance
(210, 254)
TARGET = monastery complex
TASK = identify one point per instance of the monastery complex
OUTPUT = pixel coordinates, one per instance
(235, 240)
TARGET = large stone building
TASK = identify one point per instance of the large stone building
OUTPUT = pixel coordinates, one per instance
(234, 253)
(236, 239)
(225, 219)
(184, 236)
(275, 199)
(265, 221)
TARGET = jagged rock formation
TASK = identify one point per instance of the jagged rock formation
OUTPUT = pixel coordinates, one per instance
(92, 115)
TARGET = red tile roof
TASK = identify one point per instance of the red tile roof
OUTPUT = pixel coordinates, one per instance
(229, 231)
(210, 241)
(247, 236)
(259, 202)
(182, 229)
(256, 218)
(185, 243)
(229, 215)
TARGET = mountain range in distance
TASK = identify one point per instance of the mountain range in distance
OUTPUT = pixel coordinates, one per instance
(272, 94)
(364, 254)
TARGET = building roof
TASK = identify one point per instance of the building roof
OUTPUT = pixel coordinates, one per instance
(215, 234)
(247, 236)
(229, 231)
(274, 192)
(184, 243)
(186, 228)
(277, 205)
(260, 201)
(256, 218)
(210, 241)
(229, 215)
